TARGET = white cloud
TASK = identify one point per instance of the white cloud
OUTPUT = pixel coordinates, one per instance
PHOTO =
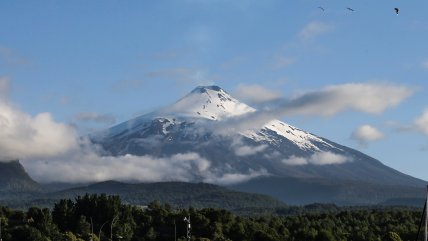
(318, 158)
(256, 93)
(314, 29)
(425, 64)
(38, 136)
(327, 158)
(295, 161)
(249, 150)
(366, 133)
(232, 178)
(242, 149)
(421, 123)
(85, 165)
(95, 117)
(88, 166)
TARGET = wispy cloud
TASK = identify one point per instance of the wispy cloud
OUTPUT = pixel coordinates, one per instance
(10, 57)
(281, 62)
(255, 93)
(95, 117)
(242, 149)
(371, 98)
(421, 123)
(183, 75)
(425, 64)
(314, 29)
(234, 62)
(418, 125)
(4, 87)
(126, 85)
(171, 54)
(236, 177)
(318, 158)
(365, 134)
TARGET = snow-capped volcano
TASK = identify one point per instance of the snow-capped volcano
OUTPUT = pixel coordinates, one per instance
(276, 149)
(210, 102)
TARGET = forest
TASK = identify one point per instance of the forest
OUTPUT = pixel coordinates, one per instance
(102, 217)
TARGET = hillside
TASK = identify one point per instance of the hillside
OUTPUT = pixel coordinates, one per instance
(178, 194)
(14, 179)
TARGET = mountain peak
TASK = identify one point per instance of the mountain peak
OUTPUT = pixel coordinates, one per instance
(209, 102)
(203, 89)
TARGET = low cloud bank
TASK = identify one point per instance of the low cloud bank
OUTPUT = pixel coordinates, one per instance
(318, 158)
(53, 152)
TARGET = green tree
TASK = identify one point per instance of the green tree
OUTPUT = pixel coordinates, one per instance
(27, 233)
(63, 215)
(41, 219)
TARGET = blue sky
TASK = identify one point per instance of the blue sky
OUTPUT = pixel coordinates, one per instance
(92, 64)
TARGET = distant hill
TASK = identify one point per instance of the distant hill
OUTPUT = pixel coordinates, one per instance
(15, 180)
(177, 194)
(298, 191)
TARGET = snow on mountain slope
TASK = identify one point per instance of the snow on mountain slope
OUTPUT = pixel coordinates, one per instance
(210, 102)
(204, 102)
(302, 139)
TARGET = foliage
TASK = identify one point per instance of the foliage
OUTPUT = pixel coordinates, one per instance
(101, 217)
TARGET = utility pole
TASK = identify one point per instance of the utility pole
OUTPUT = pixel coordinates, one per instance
(0, 230)
(92, 230)
(111, 227)
(99, 233)
(188, 228)
(175, 231)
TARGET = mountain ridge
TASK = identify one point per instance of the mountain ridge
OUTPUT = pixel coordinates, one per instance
(14, 179)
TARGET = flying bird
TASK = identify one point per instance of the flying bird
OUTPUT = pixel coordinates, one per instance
(321, 8)
(397, 10)
(350, 9)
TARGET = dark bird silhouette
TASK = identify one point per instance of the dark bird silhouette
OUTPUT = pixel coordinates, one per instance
(350, 9)
(397, 10)
(321, 8)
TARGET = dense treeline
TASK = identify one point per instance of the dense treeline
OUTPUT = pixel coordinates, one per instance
(102, 217)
